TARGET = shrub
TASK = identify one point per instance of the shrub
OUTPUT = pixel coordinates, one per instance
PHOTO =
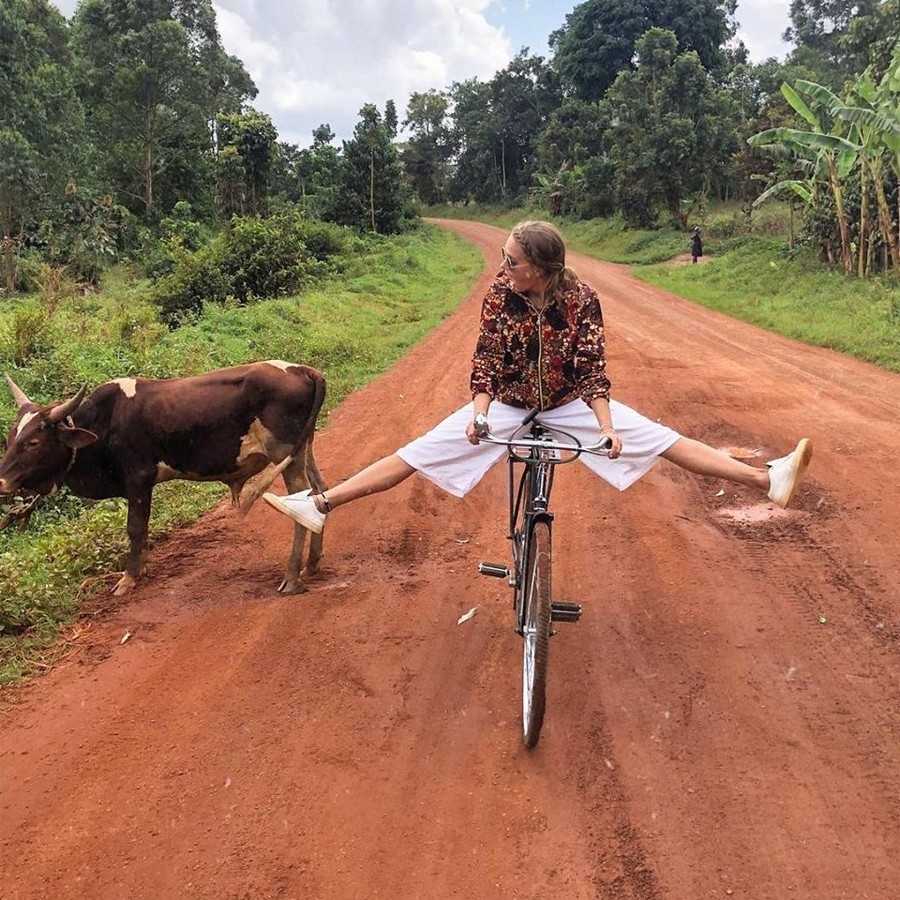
(29, 335)
(28, 271)
(264, 257)
(322, 239)
(196, 278)
(252, 259)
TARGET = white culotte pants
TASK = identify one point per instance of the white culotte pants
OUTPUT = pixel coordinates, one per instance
(445, 456)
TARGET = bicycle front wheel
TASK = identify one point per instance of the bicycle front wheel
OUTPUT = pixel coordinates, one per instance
(536, 632)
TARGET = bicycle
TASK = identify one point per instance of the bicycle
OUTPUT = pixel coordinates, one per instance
(538, 451)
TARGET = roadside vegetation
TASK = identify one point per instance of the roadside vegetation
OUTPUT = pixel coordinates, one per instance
(381, 296)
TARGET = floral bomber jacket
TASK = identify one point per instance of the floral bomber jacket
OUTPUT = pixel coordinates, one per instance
(540, 359)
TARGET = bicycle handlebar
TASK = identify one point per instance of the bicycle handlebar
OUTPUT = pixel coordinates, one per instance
(601, 448)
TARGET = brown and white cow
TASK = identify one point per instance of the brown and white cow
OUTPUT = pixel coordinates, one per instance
(242, 426)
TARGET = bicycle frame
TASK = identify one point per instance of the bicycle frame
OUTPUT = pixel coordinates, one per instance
(530, 533)
(528, 502)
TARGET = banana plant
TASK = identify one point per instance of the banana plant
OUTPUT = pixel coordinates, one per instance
(872, 111)
(826, 155)
(871, 114)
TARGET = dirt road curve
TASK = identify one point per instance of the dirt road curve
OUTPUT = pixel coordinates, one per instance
(723, 722)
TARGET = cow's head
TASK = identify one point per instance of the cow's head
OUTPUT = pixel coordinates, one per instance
(42, 444)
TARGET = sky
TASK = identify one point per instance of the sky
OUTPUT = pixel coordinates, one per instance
(319, 61)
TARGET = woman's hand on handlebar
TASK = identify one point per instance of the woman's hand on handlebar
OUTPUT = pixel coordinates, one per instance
(477, 428)
(615, 448)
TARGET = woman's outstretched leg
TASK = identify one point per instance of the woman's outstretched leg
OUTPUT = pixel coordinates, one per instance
(310, 510)
(779, 479)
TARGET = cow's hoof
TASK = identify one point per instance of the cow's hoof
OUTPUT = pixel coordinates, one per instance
(289, 586)
(124, 585)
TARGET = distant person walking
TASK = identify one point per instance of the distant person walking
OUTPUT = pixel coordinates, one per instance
(696, 244)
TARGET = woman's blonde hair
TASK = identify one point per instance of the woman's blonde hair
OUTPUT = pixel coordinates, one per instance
(544, 247)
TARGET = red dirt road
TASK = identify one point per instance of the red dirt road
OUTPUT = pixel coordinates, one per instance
(723, 722)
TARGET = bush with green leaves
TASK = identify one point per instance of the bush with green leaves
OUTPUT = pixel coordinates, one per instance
(254, 258)
(264, 258)
(196, 278)
(28, 335)
(28, 271)
(323, 240)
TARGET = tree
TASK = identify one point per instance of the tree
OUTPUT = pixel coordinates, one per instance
(575, 173)
(871, 111)
(153, 77)
(599, 37)
(573, 135)
(821, 152)
(673, 131)
(472, 134)
(496, 127)
(819, 24)
(821, 31)
(371, 179)
(253, 136)
(390, 119)
(429, 150)
(286, 178)
(40, 119)
(871, 39)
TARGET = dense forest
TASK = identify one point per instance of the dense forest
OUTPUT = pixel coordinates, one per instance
(129, 130)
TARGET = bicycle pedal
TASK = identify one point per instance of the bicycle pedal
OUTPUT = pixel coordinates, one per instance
(565, 612)
(494, 570)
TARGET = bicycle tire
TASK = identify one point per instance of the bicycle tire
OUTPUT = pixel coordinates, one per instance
(536, 632)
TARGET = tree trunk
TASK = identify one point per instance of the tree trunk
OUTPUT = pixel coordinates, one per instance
(863, 223)
(843, 226)
(372, 189)
(7, 246)
(9, 264)
(148, 160)
(886, 226)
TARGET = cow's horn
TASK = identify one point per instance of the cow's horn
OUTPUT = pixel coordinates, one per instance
(58, 413)
(17, 392)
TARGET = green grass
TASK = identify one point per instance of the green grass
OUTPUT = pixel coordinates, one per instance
(353, 327)
(760, 282)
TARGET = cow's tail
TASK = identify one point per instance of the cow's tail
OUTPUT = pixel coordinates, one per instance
(318, 399)
(257, 486)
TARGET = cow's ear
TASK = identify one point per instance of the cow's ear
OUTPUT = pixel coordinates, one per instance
(76, 438)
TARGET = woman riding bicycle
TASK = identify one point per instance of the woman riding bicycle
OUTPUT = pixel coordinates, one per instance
(541, 346)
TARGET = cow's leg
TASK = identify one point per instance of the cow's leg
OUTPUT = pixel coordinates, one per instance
(137, 527)
(243, 496)
(317, 483)
(299, 476)
(295, 480)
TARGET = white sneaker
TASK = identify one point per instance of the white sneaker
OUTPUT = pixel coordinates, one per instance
(300, 507)
(785, 474)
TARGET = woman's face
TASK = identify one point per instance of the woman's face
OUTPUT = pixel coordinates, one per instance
(524, 275)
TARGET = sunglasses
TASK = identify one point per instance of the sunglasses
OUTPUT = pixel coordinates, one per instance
(508, 261)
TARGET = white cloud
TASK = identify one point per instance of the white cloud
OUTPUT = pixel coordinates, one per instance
(762, 22)
(319, 61)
